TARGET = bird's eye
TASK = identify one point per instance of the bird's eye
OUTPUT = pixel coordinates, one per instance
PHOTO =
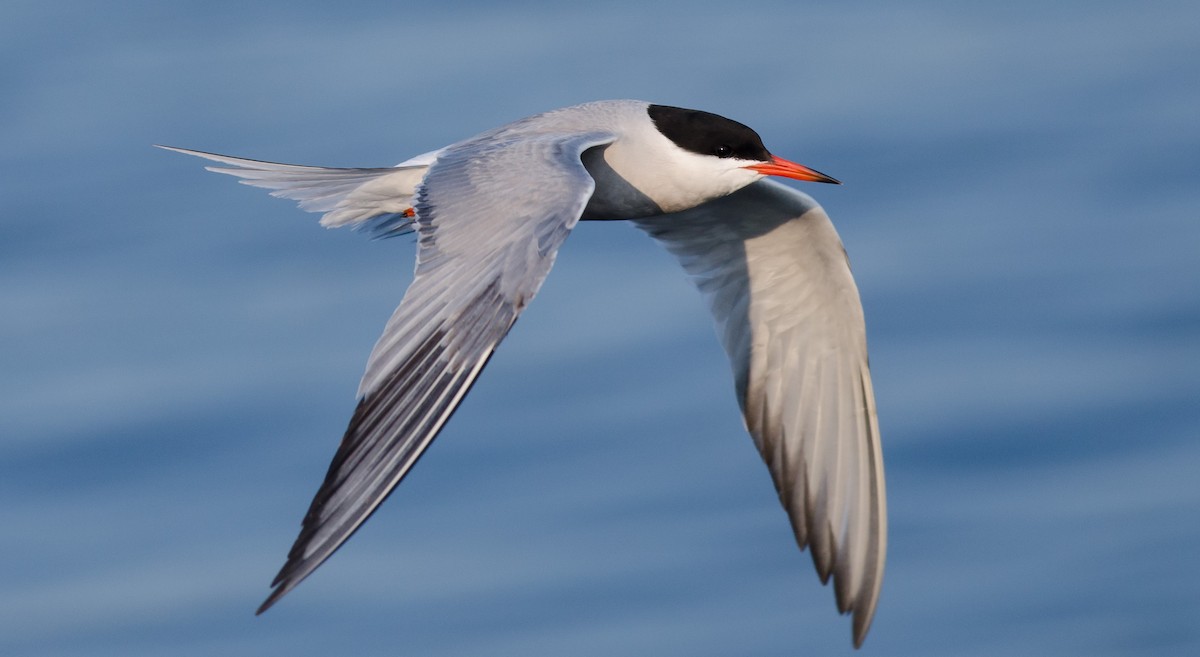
(724, 150)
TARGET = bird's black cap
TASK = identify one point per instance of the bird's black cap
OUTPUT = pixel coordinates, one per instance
(706, 133)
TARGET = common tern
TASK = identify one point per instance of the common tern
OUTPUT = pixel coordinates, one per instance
(490, 214)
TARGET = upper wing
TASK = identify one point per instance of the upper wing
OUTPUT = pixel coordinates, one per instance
(490, 217)
(788, 313)
(378, 199)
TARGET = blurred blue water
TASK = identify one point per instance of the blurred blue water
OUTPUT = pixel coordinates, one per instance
(178, 355)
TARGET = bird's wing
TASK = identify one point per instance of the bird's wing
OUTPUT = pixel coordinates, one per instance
(490, 217)
(777, 280)
(379, 200)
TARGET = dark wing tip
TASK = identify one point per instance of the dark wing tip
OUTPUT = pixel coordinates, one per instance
(861, 625)
(271, 600)
(298, 566)
(293, 572)
(385, 444)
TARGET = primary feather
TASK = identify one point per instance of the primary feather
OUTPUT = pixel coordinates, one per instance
(776, 278)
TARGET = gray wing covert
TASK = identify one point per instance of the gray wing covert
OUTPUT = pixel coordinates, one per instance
(776, 278)
(490, 217)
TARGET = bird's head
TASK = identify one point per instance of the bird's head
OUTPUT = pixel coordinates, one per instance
(710, 145)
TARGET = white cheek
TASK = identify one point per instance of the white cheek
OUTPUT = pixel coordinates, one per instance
(746, 174)
(675, 179)
(739, 176)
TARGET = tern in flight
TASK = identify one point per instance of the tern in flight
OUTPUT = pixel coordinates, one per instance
(490, 214)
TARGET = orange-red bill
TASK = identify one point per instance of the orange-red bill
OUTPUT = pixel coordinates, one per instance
(781, 167)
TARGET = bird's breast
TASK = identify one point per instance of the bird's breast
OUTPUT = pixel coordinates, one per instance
(614, 197)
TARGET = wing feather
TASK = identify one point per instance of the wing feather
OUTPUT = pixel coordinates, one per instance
(481, 258)
(787, 311)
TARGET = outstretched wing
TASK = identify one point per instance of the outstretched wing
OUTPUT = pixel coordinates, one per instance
(778, 283)
(483, 253)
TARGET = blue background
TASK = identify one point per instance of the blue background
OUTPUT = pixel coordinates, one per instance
(179, 354)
